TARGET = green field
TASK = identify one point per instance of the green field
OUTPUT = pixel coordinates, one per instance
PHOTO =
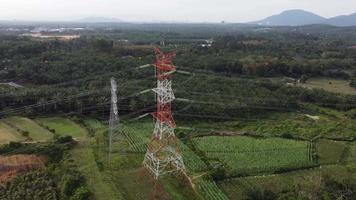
(246, 155)
(96, 180)
(352, 157)
(125, 167)
(192, 161)
(304, 182)
(63, 126)
(331, 124)
(210, 191)
(331, 85)
(138, 135)
(9, 134)
(94, 125)
(331, 152)
(237, 155)
(36, 132)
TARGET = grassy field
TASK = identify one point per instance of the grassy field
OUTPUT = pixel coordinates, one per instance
(330, 123)
(36, 132)
(94, 125)
(246, 155)
(63, 126)
(352, 157)
(304, 180)
(192, 161)
(138, 135)
(96, 180)
(331, 85)
(331, 152)
(9, 134)
(210, 191)
(128, 176)
(121, 178)
(125, 168)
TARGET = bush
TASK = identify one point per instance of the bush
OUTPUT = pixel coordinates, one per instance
(287, 135)
(353, 83)
(25, 133)
(64, 139)
(351, 113)
(260, 194)
(81, 193)
(14, 145)
(70, 184)
(219, 173)
(32, 185)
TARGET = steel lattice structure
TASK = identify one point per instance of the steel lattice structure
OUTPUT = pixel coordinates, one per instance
(114, 115)
(163, 152)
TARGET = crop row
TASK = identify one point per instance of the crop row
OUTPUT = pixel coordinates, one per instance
(243, 155)
(191, 160)
(216, 143)
(136, 143)
(210, 190)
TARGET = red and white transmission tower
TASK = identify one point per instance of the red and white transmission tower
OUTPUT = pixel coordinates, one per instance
(163, 152)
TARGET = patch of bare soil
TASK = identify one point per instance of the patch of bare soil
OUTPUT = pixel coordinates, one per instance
(11, 166)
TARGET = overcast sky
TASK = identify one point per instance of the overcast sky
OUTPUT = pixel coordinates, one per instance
(167, 10)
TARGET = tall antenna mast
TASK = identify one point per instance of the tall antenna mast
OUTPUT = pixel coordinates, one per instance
(114, 115)
(163, 152)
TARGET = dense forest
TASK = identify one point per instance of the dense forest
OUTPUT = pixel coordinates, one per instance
(241, 61)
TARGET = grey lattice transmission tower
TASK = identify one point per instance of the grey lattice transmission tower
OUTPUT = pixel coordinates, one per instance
(114, 116)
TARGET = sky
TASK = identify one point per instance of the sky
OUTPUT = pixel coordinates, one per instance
(166, 10)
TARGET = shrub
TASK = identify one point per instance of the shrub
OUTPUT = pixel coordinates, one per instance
(64, 139)
(287, 136)
(260, 194)
(70, 183)
(25, 133)
(353, 83)
(351, 113)
(81, 193)
(219, 173)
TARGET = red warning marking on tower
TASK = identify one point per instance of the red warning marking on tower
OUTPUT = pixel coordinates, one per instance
(163, 152)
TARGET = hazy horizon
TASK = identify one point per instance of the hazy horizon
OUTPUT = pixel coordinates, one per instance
(174, 10)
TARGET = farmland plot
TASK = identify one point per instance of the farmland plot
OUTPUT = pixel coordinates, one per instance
(138, 135)
(210, 190)
(9, 134)
(36, 132)
(245, 155)
(330, 152)
(331, 85)
(191, 160)
(63, 126)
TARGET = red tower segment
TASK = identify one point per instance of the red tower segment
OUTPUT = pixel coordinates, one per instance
(164, 68)
(163, 153)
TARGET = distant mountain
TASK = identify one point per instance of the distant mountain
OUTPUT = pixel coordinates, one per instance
(302, 17)
(291, 18)
(343, 20)
(99, 20)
